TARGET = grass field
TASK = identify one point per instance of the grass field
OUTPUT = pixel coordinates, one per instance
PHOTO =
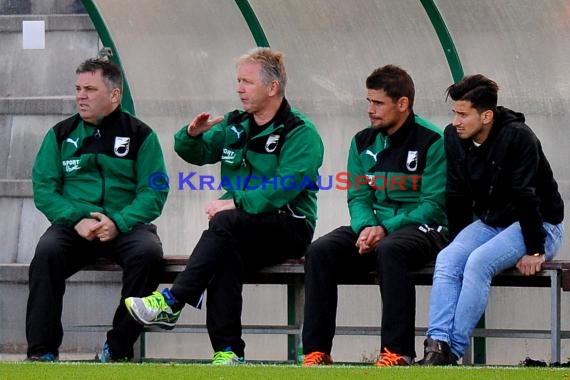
(154, 371)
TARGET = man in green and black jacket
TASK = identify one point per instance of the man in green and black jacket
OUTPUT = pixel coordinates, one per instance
(270, 155)
(92, 179)
(396, 195)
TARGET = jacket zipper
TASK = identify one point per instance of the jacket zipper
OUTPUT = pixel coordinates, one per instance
(398, 204)
(100, 170)
(386, 145)
(244, 160)
(488, 211)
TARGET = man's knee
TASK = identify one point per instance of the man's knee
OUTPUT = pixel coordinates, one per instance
(391, 250)
(49, 247)
(319, 254)
(150, 253)
(226, 220)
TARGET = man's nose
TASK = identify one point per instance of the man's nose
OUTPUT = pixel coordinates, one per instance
(455, 122)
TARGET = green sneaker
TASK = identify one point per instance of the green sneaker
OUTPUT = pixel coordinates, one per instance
(152, 310)
(226, 357)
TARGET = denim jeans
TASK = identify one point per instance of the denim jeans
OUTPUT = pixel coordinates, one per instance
(463, 273)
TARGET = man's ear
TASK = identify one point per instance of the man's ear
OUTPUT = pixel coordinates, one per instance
(274, 87)
(487, 116)
(403, 104)
(116, 95)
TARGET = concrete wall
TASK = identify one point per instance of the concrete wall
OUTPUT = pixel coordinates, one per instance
(37, 91)
(186, 64)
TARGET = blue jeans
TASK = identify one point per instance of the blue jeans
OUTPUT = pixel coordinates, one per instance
(463, 273)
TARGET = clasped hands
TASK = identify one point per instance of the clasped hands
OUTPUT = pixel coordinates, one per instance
(369, 238)
(99, 226)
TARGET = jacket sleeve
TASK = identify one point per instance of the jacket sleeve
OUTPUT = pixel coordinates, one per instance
(299, 160)
(459, 200)
(47, 182)
(360, 196)
(526, 157)
(202, 149)
(431, 203)
(149, 201)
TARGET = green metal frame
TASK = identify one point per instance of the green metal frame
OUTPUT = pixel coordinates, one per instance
(127, 102)
(445, 39)
(253, 23)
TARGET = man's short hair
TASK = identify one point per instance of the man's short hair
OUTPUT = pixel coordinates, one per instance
(111, 73)
(272, 65)
(395, 81)
(477, 89)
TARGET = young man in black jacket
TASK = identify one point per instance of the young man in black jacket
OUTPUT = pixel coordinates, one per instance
(497, 171)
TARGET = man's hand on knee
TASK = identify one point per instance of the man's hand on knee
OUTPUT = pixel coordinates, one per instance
(530, 264)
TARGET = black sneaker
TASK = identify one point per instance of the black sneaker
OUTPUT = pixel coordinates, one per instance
(107, 356)
(437, 352)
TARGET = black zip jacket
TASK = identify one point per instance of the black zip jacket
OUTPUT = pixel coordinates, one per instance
(505, 180)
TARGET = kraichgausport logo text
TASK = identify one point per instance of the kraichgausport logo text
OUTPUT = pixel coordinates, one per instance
(340, 181)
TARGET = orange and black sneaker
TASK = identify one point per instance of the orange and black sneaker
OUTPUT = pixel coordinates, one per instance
(390, 359)
(317, 358)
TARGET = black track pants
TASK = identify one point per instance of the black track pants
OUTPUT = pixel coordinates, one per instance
(334, 258)
(235, 244)
(60, 253)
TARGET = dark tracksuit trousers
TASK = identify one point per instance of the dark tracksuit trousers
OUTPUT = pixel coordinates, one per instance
(60, 253)
(334, 257)
(235, 244)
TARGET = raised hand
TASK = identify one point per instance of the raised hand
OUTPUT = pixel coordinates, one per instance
(201, 123)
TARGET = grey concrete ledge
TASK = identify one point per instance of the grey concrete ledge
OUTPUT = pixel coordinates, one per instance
(47, 105)
(63, 22)
(14, 273)
(18, 274)
(16, 188)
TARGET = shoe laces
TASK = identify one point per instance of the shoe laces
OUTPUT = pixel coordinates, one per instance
(389, 359)
(155, 301)
(316, 358)
(224, 357)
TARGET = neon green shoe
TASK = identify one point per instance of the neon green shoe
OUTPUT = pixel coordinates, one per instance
(153, 310)
(226, 357)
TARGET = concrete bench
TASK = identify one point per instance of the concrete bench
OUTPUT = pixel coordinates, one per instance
(555, 275)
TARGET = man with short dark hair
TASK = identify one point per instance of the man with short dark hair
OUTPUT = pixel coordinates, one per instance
(90, 180)
(396, 169)
(497, 171)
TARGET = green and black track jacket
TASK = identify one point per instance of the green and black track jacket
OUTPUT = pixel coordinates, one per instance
(82, 168)
(397, 180)
(265, 171)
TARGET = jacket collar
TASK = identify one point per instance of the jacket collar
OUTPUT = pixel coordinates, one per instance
(109, 119)
(402, 133)
(280, 116)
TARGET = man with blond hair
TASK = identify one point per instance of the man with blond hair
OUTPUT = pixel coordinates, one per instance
(267, 150)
